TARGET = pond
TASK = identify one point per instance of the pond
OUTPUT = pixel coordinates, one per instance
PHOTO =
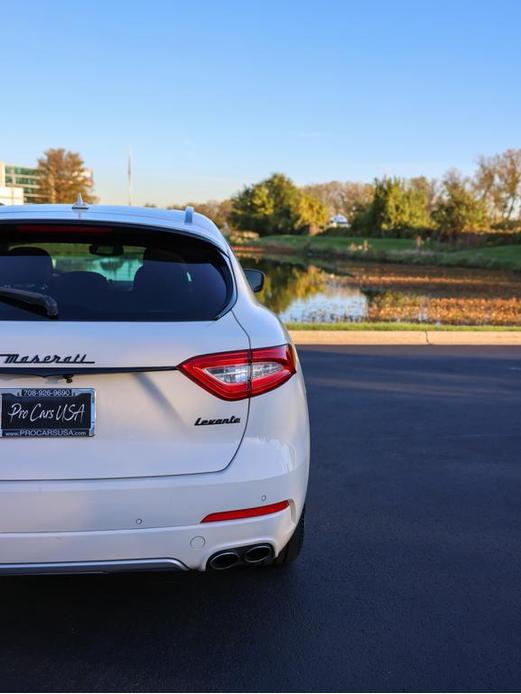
(304, 290)
(317, 291)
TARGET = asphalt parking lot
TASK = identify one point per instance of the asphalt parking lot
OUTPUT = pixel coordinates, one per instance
(410, 578)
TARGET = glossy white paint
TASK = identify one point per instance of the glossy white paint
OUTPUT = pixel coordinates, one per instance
(140, 487)
(144, 421)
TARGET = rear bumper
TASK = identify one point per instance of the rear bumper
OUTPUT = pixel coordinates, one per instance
(115, 523)
(178, 548)
(91, 567)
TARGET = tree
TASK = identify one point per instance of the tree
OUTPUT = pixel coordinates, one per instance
(313, 215)
(509, 181)
(427, 188)
(398, 206)
(458, 209)
(485, 185)
(277, 206)
(498, 183)
(348, 198)
(62, 177)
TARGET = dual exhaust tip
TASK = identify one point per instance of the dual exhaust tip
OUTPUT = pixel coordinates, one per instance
(256, 554)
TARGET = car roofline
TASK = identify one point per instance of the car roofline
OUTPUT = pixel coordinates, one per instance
(186, 221)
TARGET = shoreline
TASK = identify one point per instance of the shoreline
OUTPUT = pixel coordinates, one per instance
(505, 257)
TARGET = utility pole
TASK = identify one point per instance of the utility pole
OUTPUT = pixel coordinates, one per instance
(130, 177)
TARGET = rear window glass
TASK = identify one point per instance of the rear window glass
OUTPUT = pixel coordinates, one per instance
(101, 273)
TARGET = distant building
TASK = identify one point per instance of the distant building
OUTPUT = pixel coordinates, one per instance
(22, 177)
(9, 195)
(26, 178)
(338, 220)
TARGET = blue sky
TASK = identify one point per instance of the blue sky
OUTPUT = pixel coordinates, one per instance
(212, 96)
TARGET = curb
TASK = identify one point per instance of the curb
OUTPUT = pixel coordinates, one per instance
(404, 337)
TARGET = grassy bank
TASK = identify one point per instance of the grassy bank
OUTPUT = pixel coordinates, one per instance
(402, 326)
(391, 250)
(331, 243)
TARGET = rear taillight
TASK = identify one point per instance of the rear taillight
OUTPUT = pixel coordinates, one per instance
(242, 374)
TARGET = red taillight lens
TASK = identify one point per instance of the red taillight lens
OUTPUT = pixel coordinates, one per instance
(225, 375)
(243, 374)
(246, 512)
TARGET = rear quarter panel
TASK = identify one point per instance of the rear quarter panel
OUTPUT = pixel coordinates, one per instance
(278, 424)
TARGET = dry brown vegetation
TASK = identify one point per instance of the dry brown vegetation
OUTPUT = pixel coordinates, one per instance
(440, 295)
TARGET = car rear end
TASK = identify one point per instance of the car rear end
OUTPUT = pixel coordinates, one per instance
(158, 420)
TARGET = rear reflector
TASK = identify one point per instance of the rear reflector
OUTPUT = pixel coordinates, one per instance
(246, 512)
(242, 374)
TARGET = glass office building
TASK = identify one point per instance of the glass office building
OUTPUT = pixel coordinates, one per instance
(25, 177)
(22, 177)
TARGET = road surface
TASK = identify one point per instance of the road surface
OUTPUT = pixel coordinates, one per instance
(410, 578)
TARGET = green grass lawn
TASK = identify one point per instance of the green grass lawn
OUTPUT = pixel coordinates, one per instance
(336, 243)
(508, 257)
(401, 326)
(393, 250)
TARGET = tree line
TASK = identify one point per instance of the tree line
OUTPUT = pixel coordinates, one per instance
(488, 200)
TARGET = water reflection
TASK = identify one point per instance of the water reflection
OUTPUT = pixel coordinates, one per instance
(329, 306)
(286, 283)
(302, 292)
(307, 294)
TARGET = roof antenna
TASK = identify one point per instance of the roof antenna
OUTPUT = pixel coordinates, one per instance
(189, 215)
(79, 204)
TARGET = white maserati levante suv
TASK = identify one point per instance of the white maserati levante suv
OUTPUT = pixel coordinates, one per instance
(153, 413)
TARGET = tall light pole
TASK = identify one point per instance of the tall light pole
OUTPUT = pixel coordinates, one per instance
(130, 177)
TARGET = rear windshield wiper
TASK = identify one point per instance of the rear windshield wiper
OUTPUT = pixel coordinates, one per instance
(32, 299)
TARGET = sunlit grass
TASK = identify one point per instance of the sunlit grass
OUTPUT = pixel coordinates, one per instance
(401, 326)
(393, 250)
(336, 243)
(508, 257)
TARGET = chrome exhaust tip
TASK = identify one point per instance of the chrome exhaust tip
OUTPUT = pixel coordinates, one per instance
(257, 554)
(224, 560)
